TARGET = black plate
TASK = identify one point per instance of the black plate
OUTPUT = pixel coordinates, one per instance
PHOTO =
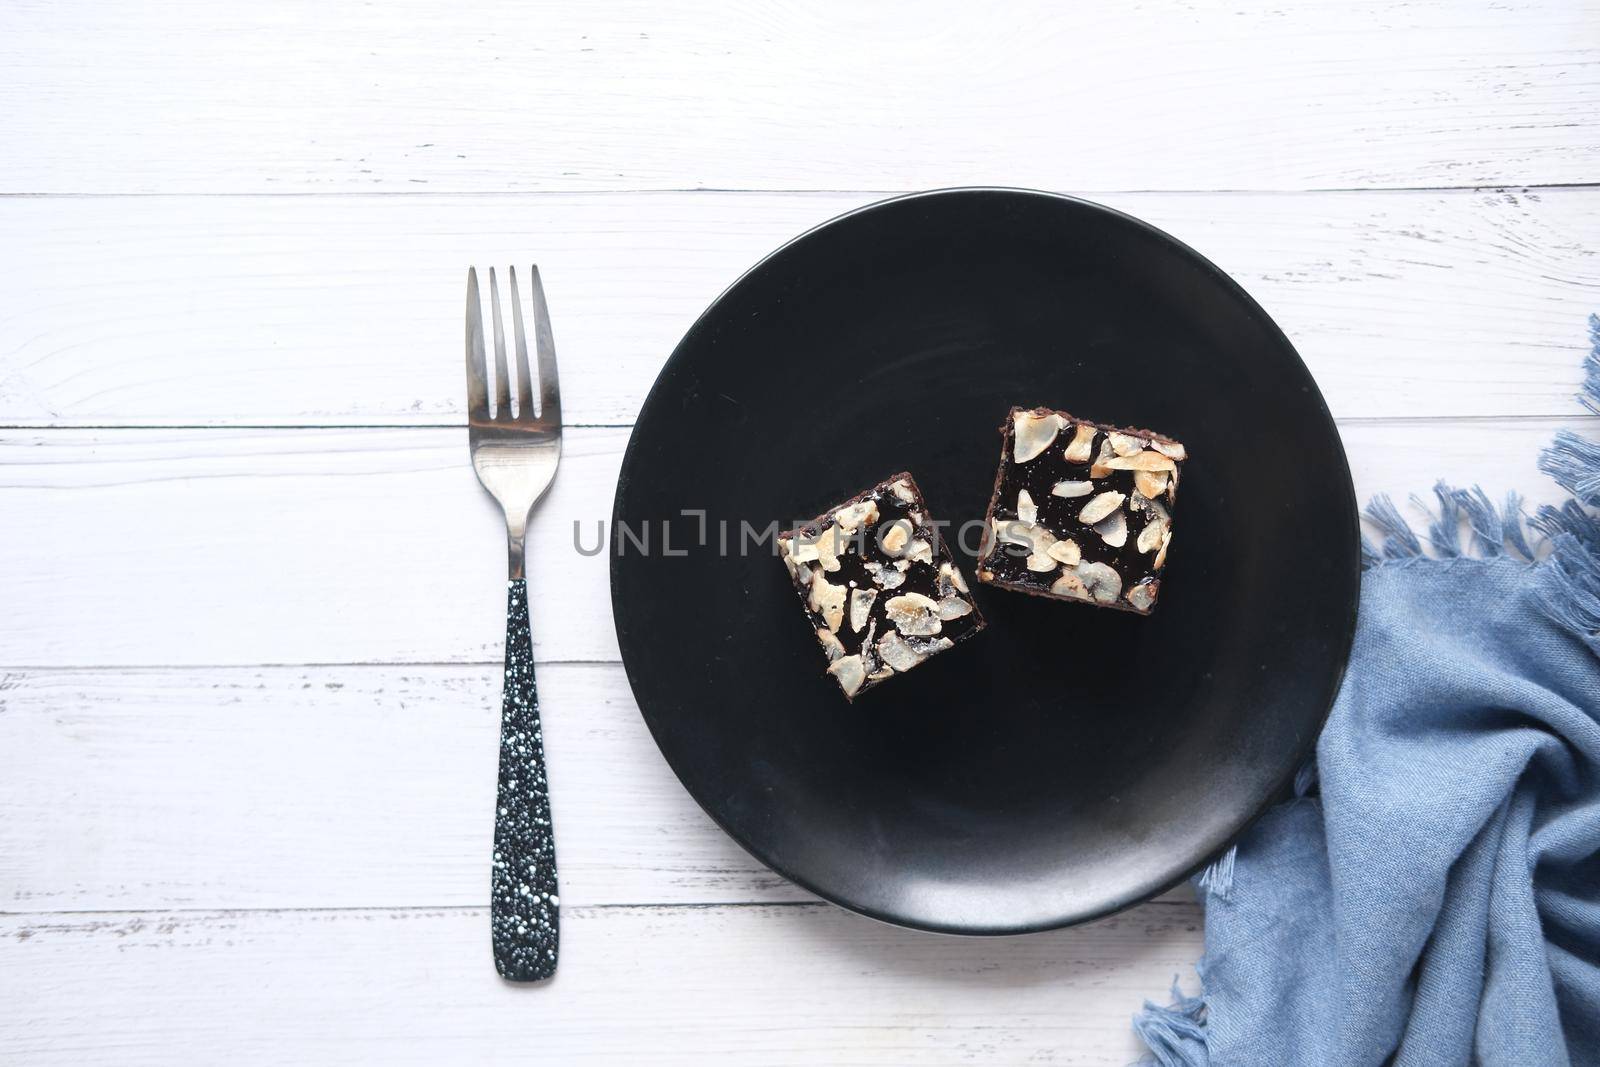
(1069, 761)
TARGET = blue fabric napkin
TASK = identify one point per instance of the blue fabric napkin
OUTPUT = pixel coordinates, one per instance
(1433, 894)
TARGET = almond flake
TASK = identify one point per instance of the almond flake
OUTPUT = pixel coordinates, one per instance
(893, 539)
(902, 489)
(1124, 444)
(1072, 489)
(1151, 483)
(851, 518)
(850, 672)
(1027, 510)
(860, 607)
(1100, 507)
(1079, 450)
(1161, 557)
(950, 578)
(1143, 595)
(1114, 530)
(885, 577)
(1103, 583)
(913, 614)
(1032, 433)
(1150, 536)
(827, 600)
(830, 645)
(1170, 448)
(1148, 460)
(1069, 584)
(1100, 469)
(1065, 552)
(953, 607)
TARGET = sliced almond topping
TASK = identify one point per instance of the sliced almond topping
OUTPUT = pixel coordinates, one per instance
(1151, 483)
(1100, 507)
(1041, 562)
(1170, 448)
(830, 645)
(860, 607)
(1069, 584)
(1172, 488)
(802, 550)
(902, 489)
(1125, 444)
(1013, 532)
(893, 538)
(1113, 530)
(1032, 433)
(1065, 552)
(1072, 489)
(1027, 510)
(1143, 595)
(1161, 557)
(827, 600)
(851, 518)
(913, 614)
(1103, 583)
(953, 607)
(1148, 460)
(886, 577)
(949, 576)
(918, 551)
(1080, 449)
(896, 653)
(1150, 536)
(828, 543)
(1099, 468)
(850, 672)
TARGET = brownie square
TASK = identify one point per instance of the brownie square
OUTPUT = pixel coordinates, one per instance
(1081, 510)
(879, 585)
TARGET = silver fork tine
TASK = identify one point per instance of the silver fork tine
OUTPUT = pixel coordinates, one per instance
(477, 386)
(545, 344)
(502, 384)
(524, 376)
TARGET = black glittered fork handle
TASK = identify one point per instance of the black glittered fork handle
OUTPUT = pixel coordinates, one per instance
(525, 906)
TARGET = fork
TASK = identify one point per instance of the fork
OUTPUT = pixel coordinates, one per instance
(515, 452)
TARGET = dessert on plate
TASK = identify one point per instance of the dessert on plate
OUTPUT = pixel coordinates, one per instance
(879, 585)
(1081, 510)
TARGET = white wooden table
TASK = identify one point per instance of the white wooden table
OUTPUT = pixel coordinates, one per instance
(251, 595)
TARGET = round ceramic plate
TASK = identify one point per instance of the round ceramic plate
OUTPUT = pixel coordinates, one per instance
(1068, 761)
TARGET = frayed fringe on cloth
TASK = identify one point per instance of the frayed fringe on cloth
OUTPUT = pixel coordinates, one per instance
(1465, 524)
(1176, 1034)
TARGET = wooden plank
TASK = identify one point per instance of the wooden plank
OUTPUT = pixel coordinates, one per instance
(306, 96)
(670, 986)
(332, 787)
(245, 547)
(322, 310)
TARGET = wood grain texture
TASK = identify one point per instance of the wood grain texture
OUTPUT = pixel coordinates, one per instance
(672, 986)
(308, 96)
(346, 310)
(332, 787)
(245, 547)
